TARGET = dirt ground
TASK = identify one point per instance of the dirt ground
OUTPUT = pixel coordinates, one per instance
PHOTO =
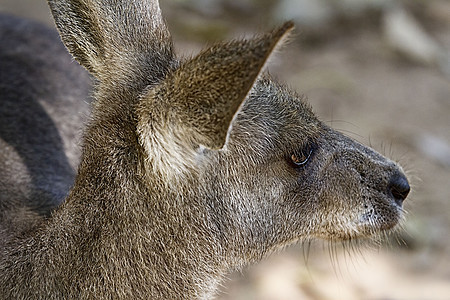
(360, 86)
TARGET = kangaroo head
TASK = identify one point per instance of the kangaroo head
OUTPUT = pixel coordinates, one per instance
(212, 131)
(303, 176)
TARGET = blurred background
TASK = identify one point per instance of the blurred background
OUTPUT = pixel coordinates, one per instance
(377, 70)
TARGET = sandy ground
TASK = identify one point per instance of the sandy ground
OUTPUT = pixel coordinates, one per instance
(359, 86)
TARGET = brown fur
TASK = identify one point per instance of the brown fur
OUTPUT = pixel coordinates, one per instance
(188, 168)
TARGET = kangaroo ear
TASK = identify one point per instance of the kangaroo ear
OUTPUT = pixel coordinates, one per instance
(115, 38)
(205, 93)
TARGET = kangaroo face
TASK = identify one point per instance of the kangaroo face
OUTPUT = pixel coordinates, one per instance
(300, 175)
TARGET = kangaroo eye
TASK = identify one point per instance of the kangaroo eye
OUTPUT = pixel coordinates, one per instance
(301, 157)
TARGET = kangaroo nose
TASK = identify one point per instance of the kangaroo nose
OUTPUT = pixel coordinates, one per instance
(399, 188)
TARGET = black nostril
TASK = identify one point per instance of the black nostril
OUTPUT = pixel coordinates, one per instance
(399, 188)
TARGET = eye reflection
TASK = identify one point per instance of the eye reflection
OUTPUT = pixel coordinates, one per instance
(301, 157)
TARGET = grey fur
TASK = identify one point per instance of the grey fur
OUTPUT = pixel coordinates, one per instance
(44, 97)
(187, 168)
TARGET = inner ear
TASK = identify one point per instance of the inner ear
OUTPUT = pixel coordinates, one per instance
(205, 93)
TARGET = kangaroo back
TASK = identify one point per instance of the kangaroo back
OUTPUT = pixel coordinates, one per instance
(43, 104)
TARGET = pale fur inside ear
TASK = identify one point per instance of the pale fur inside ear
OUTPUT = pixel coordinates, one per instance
(168, 152)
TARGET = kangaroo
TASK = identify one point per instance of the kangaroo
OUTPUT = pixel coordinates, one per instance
(189, 168)
(43, 103)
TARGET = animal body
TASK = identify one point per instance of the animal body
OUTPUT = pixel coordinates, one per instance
(189, 168)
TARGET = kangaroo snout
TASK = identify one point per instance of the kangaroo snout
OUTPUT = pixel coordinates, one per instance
(399, 188)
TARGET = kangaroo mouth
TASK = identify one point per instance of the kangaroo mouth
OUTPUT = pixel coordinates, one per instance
(380, 218)
(372, 221)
